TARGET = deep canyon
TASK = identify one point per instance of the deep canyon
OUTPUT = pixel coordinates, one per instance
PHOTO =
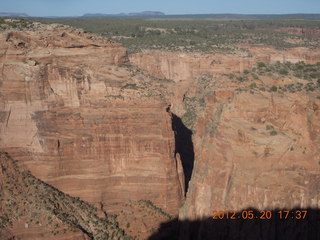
(99, 144)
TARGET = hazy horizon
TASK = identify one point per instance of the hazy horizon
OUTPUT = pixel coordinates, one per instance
(60, 8)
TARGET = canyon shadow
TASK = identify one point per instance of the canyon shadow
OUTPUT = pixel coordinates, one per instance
(184, 146)
(277, 224)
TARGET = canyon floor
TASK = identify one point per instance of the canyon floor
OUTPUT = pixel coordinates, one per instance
(149, 130)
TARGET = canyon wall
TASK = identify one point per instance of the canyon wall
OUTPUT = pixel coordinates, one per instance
(186, 66)
(255, 151)
(72, 114)
(254, 148)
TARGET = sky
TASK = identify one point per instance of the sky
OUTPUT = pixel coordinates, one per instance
(80, 7)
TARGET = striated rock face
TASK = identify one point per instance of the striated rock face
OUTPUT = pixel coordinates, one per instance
(256, 150)
(73, 116)
(305, 32)
(32, 209)
(254, 147)
(186, 66)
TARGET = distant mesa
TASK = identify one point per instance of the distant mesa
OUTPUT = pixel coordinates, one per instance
(147, 13)
(139, 14)
(10, 14)
(158, 14)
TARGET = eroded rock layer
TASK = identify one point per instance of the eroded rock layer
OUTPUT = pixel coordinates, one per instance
(185, 66)
(70, 115)
(256, 136)
(257, 150)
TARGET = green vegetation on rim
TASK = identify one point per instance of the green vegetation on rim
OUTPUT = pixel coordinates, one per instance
(307, 77)
(193, 107)
(18, 23)
(194, 34)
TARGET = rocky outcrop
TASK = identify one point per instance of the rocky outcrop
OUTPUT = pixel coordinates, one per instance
(186, 66)
(256, 140)
(32, 209)
(73, 115)
(256, 150)
(300, 31)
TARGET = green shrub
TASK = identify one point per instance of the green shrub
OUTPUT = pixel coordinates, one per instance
(314, 75)
(261, 65)
(242, 79)
(273, 133)
(269, 127)
(283, 71)
(274, 88)
(255, 76)
(230, 75)
(189, 117)
(130, 86)
(253, 85)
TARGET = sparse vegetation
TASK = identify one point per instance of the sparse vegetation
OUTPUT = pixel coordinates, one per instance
(273, 133)
(269, 127)
(42, 203)
(130, 86)
(18, 23)
(261, 65)
(306, 77)
(154, 207)
(193, 34)
(193, 106)
(253, 85)
(274, 88)
(283, 71)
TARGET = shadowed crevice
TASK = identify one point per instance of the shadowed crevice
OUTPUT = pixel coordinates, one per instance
(184, 146)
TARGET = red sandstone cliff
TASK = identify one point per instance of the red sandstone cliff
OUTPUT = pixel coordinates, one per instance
(185, 68)
(73, 116)
(254, 147)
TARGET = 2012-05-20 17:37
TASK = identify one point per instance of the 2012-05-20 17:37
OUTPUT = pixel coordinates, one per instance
(263, 214)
